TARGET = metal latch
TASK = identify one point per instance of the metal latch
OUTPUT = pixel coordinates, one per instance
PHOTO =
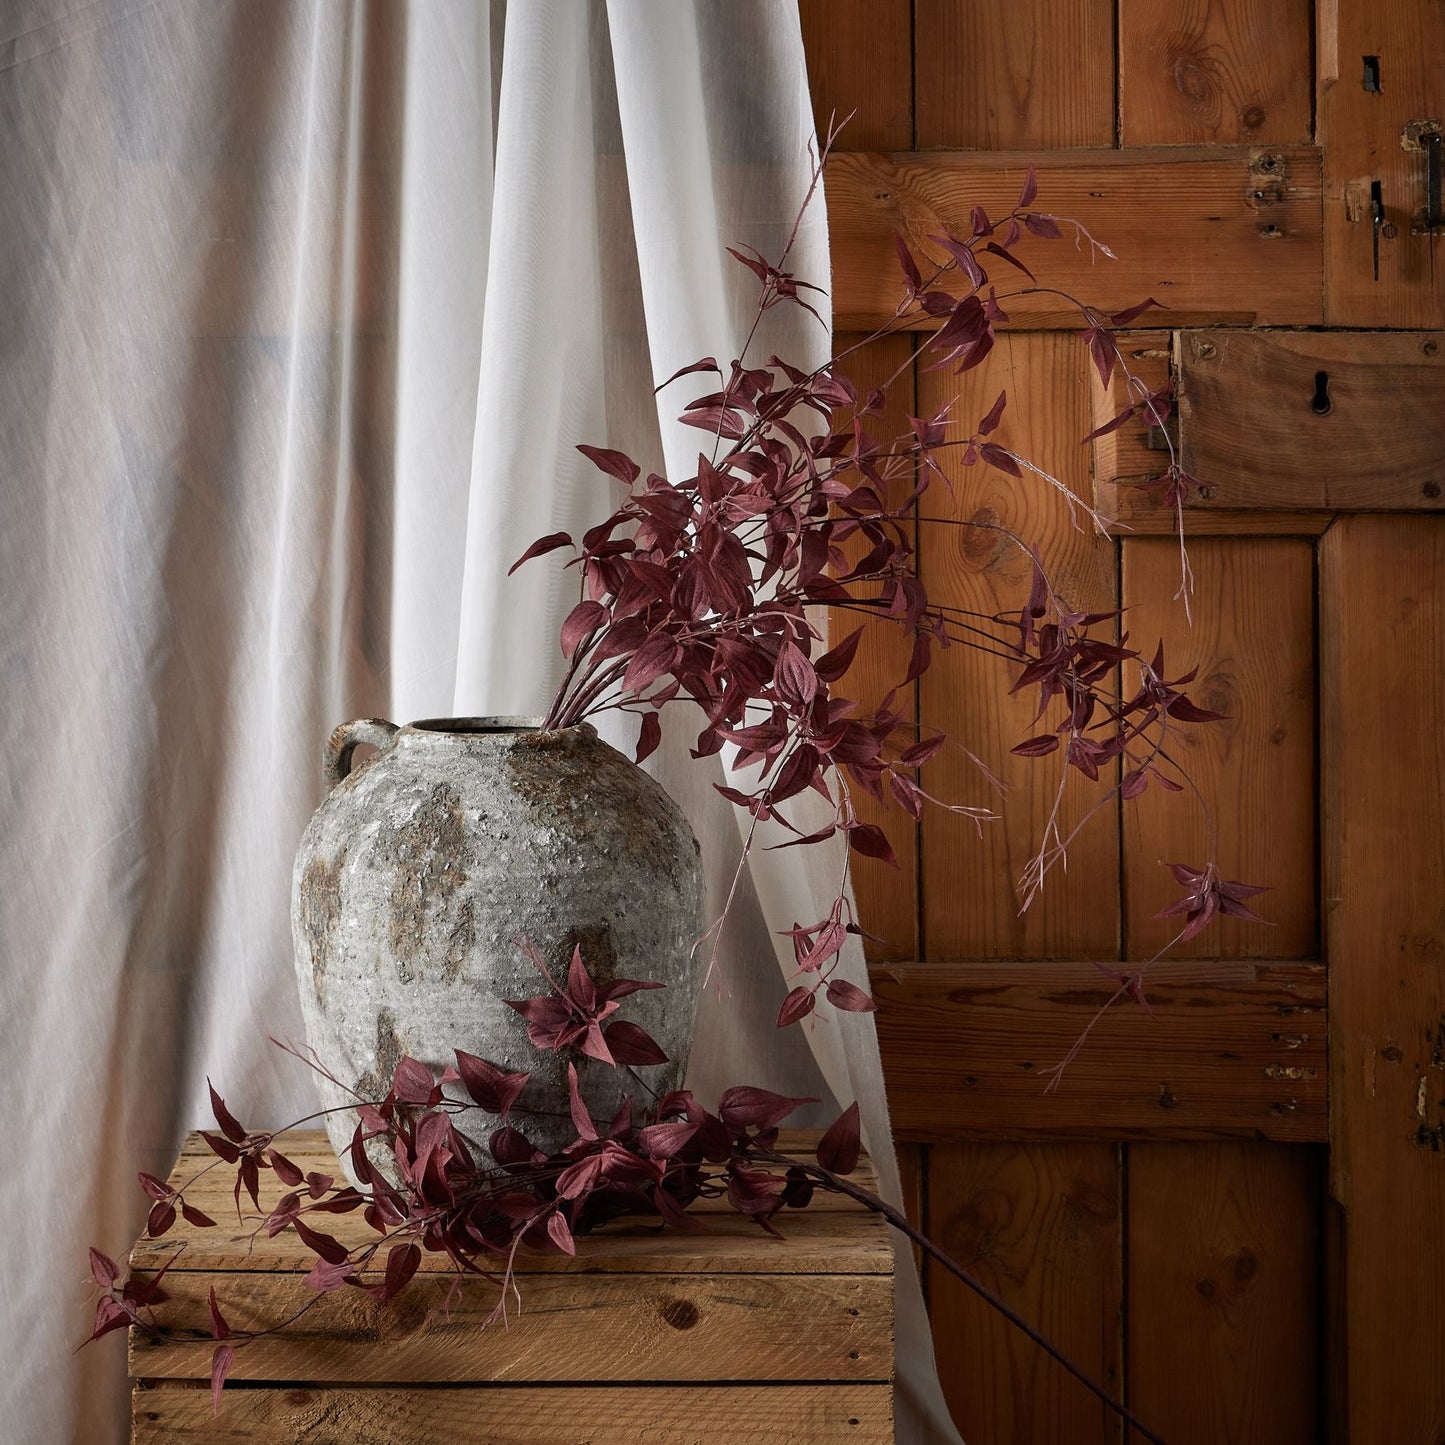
(1424, 137)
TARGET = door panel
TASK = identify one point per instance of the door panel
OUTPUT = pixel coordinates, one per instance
(1229, 1209)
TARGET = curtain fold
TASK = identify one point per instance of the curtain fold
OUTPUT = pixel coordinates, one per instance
(303, 309)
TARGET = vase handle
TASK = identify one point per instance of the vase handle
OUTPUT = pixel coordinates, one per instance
(347, 738)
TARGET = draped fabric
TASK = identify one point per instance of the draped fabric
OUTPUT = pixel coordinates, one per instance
(303, 308)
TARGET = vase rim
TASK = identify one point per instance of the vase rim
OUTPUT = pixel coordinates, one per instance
(503, 725)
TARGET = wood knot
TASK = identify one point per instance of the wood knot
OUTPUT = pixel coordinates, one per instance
(1246, 1266)
(1251, 118)
(681, 1314)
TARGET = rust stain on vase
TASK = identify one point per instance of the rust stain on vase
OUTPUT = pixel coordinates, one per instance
(319, 897)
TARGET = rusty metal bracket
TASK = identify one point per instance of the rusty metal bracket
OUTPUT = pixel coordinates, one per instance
(1425, 137)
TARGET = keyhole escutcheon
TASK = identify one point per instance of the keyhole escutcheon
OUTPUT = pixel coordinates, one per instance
(1320, 403)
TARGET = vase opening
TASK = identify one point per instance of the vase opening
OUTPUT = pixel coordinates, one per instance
(469, 726)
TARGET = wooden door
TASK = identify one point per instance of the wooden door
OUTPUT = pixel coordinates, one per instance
(1232, 1208)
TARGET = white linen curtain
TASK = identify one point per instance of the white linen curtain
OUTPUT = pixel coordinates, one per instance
(303, 307)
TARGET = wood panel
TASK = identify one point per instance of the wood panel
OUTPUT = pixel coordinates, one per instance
(1382, 633)
(1360, 130)
(1040, 1226)
(887, 897)
(970, 899)
(1015, 74)
(1253, 640)
(1243, 229)
(615, 1415)
(569, 1329)
(1226, 1049)
(1136, 453)
(1222, 72)
(1223, 1296)
(1337, 421)
(860, 65)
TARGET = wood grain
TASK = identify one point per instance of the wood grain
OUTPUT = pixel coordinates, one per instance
(1360, 133)
(1215, 72)
(1252, 639)
(617, 1415)
(970, 899)
(1030, 75)
(1223, 1296)
(1039, 1225)
(832, 1234)
(1248, 419)
(1242, 243)
(1382, 633)
(1226, 1050)
(887, 897)
(860, 63)
(568, 1328)
(1136, 453)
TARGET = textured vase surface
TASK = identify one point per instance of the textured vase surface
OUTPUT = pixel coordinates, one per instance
(422, 867)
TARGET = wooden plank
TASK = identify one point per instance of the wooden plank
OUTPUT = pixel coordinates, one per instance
(1032, 75)
(1360, 130)
(1227, 1049)
(887, 897)
(1251, 420)
(1039, 1225)
(833, 1235)
(1220, 72)
(568, 1329)
(970, 898)
(618, 1415)
(1136, 454)
(1252, 639)
(1382, 633)
(1220, 236)
(1223, 1295)
(860, 63)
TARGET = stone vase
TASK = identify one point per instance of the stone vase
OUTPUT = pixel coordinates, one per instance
(423, 865)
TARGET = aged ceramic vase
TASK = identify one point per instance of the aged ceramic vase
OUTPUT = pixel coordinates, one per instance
(424, 864)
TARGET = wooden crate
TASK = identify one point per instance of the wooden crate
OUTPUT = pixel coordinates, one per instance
(646, 1335)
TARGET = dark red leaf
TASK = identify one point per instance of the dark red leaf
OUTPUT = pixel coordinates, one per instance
(632, 1045)
(1030, 190)
(229, 1125)
(1043, 226)
(156, 1188)
(663, 1141)
(220, 1330)
(839, 1148)
(160, 1219)
(991, 421)
(583, 620)
(872, 841)
(615, 464)
(412, 1083)
(746, 1107)
(649, 736)
(494, 1088)
(560, 1233)
(997, 456)
(849, 997)
(286, 1171)
(581, 1119)
(798, 1005)
(104, 1268)
(109, 1315)
(540, 547)
(221, 1361)
(1037, 747)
